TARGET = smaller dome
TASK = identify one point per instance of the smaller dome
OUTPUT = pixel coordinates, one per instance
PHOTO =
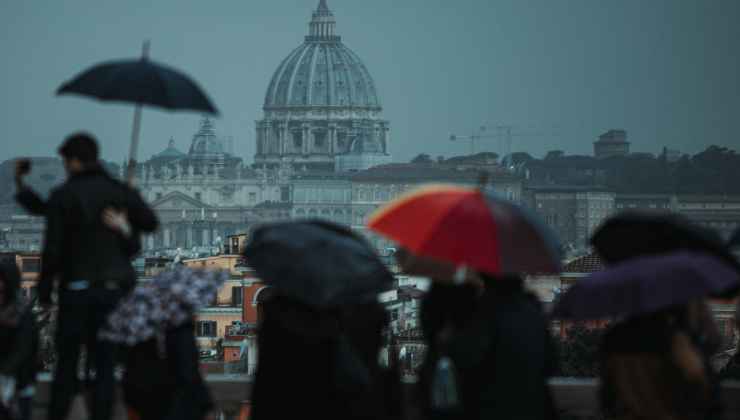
(205, 143)
(170, 152)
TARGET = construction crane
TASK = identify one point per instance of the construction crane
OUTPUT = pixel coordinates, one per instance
(504, 132)
(475, 135)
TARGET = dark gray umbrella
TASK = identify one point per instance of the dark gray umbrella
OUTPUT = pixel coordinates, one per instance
(318, 263)
(641, 233)
(140, 82)
(645, 285)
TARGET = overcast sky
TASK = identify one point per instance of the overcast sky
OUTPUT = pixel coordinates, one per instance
(562, 71)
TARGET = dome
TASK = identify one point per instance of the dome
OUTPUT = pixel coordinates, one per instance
(322, 72)
(170, 152)
(205, 143)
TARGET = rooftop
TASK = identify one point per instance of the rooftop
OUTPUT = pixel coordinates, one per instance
(585, 264)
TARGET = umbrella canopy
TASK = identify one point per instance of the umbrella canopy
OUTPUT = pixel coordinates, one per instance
(318, 263)
(645, 285)
(465, 226)
(140, 82)
(169, 300)
(638, 233)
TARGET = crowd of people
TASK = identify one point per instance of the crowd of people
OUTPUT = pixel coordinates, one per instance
(490, 349)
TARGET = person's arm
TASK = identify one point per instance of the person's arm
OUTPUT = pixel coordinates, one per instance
(51, 259)
(141, 216)
(25, 196)
(30, 201)
(118, 222)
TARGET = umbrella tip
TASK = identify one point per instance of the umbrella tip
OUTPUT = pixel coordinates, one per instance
(145, 49)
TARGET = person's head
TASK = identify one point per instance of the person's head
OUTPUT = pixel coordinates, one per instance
(9, 283)
(652, 369)
(79, 152)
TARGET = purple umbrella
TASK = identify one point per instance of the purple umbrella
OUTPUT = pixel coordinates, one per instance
(646, 285)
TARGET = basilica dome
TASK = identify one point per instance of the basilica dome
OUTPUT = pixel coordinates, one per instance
(322, 72)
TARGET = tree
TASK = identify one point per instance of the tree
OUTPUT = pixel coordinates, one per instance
(422, 158)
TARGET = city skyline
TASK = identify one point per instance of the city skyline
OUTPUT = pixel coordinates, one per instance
(664, 72)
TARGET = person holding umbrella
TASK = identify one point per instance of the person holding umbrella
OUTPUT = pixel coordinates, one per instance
(653, 365)
(90, 265)
(637, 233)
(321, 330)
(490, 351)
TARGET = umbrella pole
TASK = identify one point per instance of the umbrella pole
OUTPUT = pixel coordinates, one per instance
(133, 150)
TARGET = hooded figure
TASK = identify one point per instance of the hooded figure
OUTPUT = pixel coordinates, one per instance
(322, 361)
(498, 344)
(18, 346)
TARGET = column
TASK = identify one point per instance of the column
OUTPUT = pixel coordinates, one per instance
(306, 134)
(150, 242)
(190, 236)
(332, 139)
(206, 237)
(166, 236)
(259, 139)
(283, 135)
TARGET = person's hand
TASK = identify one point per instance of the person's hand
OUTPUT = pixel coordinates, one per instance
(439, 271)
(117, 221)
(22, 168)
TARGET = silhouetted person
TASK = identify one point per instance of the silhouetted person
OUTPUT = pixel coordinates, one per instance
(162, 380)
(495, 337)
(90, 263)
(18, 345)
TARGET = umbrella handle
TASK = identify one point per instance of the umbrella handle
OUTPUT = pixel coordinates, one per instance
(133, 150)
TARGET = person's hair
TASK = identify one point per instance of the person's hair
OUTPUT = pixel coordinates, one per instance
(81, 146)
(653, 371)
(11, 279)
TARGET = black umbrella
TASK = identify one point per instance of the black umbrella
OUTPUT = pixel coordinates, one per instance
(141, 82)
(645, 285)
(318, 263)
(640, 233)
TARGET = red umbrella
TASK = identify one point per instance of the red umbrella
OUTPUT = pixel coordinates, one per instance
(467, 227)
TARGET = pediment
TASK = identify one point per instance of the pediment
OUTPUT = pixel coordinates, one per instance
(180, 201)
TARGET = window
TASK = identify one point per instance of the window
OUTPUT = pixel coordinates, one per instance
(284, 194)
(206, 329)
(297, 139)
(198, 196)
(252, 197)
(158, 196)
(236, 296)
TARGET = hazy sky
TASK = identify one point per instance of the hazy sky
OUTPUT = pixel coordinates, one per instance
(668, 71)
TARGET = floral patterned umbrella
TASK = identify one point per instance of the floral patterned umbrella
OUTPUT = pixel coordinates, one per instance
(169, 300)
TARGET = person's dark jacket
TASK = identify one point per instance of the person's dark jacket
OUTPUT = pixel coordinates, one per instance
(77, 245)
(303, 370)
(18, 334)
(500, 345)
(167, 386)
